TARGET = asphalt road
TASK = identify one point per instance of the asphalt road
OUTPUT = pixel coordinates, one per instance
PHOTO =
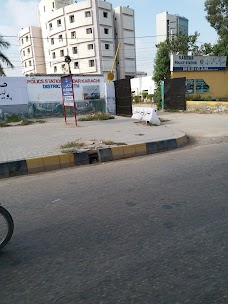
(151, 230)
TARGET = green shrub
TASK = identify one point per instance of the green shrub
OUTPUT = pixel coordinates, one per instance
(136, 99)
(150, 97)
(13, 118)
(97, 116)
(144, 95)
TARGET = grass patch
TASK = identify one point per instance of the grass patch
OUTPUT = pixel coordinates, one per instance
(97, 116)
(13, 118)
(39, 121)
(3, 124)
(108, 142)
(163, 120)
(26, 122)
(22, 122)
(72, 145)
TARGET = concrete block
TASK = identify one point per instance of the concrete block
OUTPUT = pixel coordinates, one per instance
(17, 167)
(117, 152)
(104, 154)
(81, 158)
(66, 160)
(162, 145)
(4, 170)
(140, 149)
(35, 165)
(171, 144)
(129, 151)
(51, 162)
(151, 147)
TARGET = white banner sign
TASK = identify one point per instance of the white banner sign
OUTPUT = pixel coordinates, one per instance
(197, 63)
(48, 89)
(13, 91)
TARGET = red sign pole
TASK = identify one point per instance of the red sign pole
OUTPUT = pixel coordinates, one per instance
(65, 89)
(75, 114)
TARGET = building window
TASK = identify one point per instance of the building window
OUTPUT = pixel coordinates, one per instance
(90, 46)
(88, 14)
(26, 38)
(59, 22)
(76, 65)
(53, 55)
(63, 66)
(30, 63)
(52, 40)
(24, 53)
(55, 69)
(28, 50)
(25, 65)
(60, 38)
(73, 35)
(74, 50)
(71, 18)
(107, 46)
(61, 53)
(50, 26)
(91, 63)
(44, 8)
(105, 14)
(53, 5)
(22, 41)
(89, 30)
(106, 30)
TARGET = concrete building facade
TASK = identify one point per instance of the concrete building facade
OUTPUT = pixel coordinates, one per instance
(31, 50)
(168, 25)
(89, 32)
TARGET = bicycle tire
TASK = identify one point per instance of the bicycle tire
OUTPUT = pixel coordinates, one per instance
(10, 224)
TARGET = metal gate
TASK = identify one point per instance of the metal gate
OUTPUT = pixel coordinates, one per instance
(123, 97)
(174, 94)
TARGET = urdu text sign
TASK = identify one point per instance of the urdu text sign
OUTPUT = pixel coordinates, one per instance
(197, 63)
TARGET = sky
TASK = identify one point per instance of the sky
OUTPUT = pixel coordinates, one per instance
(18, 14)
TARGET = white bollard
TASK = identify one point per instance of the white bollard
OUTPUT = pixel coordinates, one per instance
(148, 115)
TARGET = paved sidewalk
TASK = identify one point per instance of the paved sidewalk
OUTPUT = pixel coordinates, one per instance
(21, 142)
(36, 148)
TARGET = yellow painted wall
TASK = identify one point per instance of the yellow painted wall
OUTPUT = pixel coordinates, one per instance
(217, 80)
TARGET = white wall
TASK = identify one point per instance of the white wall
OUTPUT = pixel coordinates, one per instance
(138, 85)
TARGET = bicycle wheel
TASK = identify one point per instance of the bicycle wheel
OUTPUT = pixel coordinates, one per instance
(6, 227)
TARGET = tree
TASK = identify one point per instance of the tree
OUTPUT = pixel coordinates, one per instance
(4, 45)
(217, 16)
(162, 63)
(221, 48)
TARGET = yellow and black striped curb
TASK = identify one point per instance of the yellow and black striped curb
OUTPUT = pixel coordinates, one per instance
(65, 160)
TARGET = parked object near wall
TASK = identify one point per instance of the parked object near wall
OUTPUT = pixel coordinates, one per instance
(149, 115)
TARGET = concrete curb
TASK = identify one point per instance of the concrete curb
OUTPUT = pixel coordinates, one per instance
(61, 161)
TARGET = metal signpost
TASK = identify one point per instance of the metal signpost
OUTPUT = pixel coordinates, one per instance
(68, 94)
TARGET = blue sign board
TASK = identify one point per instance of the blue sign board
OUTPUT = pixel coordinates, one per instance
(67, 90)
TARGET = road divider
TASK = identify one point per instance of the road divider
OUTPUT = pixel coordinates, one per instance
(65, 160)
